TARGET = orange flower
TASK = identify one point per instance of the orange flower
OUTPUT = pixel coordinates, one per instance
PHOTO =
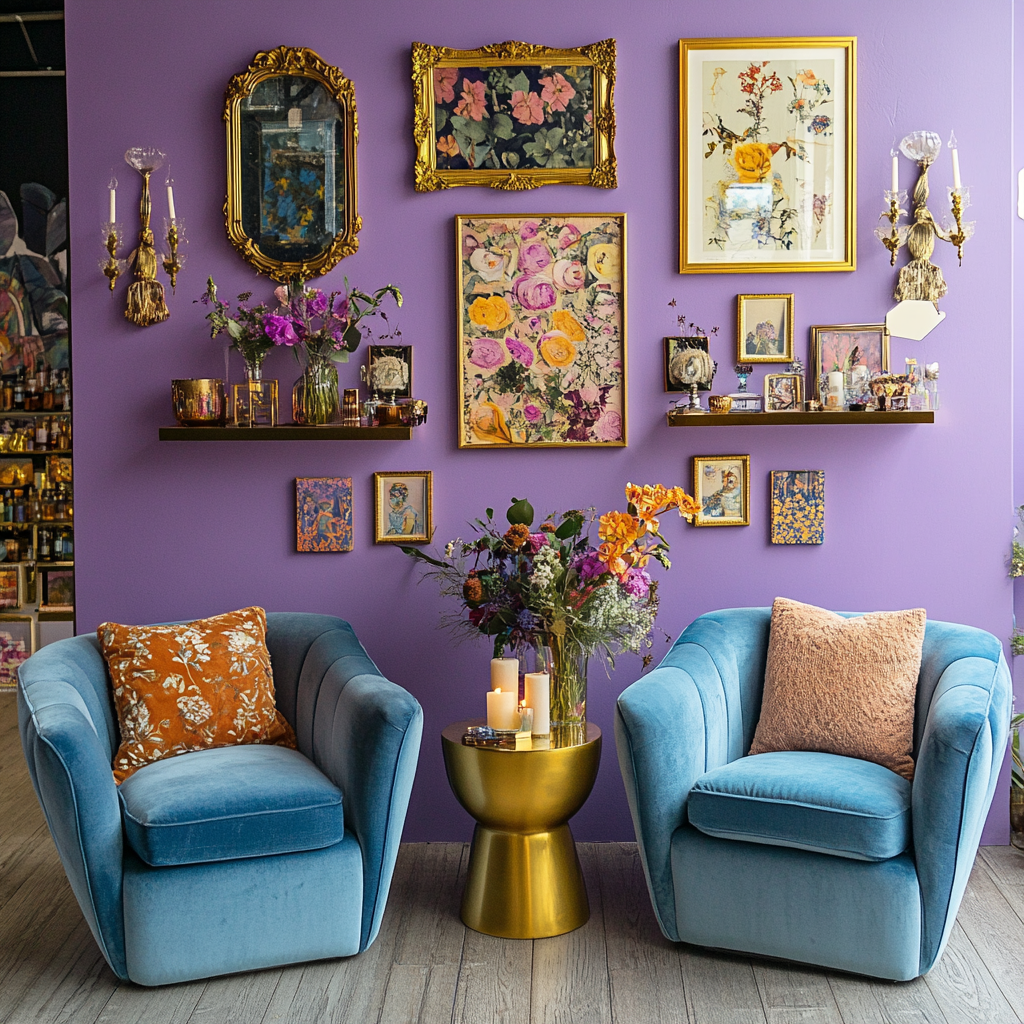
(447, 145)
(687, 506)
(557, 349)
(618, 528)
(752, 160)
(488, 423)
(562, 320)
(473, 590)
(491, 314)
(516, 536)
(611, 555)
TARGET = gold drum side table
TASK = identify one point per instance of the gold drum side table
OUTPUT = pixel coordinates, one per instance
(524, 876)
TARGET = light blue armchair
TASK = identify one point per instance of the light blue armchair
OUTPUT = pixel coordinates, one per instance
(236, 858)
(810, 857)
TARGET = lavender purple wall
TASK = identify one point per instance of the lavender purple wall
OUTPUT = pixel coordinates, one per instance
(916, 515)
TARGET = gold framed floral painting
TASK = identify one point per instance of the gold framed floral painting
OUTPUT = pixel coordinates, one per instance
(514, 116)
(764, 328)
(542, 330)
(767, 136)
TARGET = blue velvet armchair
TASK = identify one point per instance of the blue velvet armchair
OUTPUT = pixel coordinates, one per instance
(810, 857)
(235, 858)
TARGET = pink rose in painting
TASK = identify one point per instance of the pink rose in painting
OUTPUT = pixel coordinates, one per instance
(569, 235)
(590, 393)
(444, 84)
(520, 353)
(487, 353)
(534, 293)
(527, 107)
(528, 230)
(471, 240)
(609, 426)
(473, 103)
(556, 92)
(531, 413)
(568, 275)
(489, 265)
(533, 258)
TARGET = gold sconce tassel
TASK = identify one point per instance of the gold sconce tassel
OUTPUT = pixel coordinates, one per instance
(146, 303)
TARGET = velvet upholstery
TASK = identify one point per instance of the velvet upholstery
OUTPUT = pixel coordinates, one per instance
(361, 732)
(697, 711)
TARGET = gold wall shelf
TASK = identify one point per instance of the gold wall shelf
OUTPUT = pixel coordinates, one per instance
(286, 432)
(775, 419)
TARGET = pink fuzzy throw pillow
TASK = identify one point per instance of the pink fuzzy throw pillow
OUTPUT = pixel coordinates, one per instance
(842, 686)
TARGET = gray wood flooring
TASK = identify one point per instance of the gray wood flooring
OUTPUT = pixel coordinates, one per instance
(427, 967)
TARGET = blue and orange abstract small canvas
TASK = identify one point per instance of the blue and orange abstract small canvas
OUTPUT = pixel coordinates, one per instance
(798, 506)
(323, 513)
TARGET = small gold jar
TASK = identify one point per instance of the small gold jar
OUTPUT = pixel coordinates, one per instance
(719, 403)
(199, 402)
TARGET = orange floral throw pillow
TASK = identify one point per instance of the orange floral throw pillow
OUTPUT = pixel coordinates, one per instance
(192, 686)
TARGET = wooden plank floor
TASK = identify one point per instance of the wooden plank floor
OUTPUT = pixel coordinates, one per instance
(427, 967)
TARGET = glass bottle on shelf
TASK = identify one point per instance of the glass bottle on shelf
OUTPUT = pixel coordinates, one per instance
(8, 506)
(19, 388)
(66, 405)
(32, 505)
(45, 550)
(67, 546)
(7, 393)
(58, 545)
(19, 505)
(58, 392)
(30, 578)
(49, 505)
(30, 392)
(42, 433)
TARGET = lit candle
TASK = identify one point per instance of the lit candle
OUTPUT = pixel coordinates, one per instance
(170, 199)
(113, 200)
(505, 674)
(895, 173)
(501, 710)
(538, 697)
(956, 160)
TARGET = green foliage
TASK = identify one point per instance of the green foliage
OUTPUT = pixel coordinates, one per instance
(520, 511)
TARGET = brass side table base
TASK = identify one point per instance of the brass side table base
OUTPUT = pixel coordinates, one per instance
(524, 876)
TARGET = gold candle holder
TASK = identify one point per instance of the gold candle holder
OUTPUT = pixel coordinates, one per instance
(112, 266)
(172, 262)
(894, 238)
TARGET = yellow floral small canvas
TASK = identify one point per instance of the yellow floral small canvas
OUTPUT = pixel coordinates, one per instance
(191, 686)
(798, 506)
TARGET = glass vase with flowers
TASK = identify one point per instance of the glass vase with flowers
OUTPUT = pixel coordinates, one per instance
(553, 589)
(244, 327)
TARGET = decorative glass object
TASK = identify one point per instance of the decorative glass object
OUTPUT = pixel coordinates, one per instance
(566, 664)
(315, 394)
(255, 403)
(921, 147)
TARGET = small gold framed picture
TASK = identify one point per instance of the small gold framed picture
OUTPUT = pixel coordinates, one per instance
(404, 504)
(764, 328)
(783, 392)
(721, 483)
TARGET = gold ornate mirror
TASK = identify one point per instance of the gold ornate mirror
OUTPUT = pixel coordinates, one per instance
(292, 131)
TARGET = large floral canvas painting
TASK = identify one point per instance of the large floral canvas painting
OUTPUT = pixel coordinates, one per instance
(767, 137)
(514, 115)
(542, 330)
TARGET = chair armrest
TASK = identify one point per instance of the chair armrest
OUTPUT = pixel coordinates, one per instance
(366, 739)
(957, 768)
(71, 772)
(661, 735)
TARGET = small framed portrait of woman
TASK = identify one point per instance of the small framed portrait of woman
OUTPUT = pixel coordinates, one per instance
(404, 503)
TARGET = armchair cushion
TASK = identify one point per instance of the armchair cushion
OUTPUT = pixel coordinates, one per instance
(824, 803)
(230, 803)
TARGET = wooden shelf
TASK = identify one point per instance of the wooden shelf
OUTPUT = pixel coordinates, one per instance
(775, 419)
(286, 432)
(45, 615)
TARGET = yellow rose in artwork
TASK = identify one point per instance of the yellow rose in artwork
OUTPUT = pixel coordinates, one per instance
(752, 160)
(488, 423)
(557, 349)
(491, 314)
(604, 262)
(562, 320)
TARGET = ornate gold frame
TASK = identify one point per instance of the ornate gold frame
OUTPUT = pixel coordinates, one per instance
(302, 62)
(818, 329)
(380, 533)
(698, 464)
(787, 355)
(759, 49)
(600, 56)
(798, 391)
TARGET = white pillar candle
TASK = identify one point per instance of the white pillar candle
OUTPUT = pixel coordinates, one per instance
(538, 697)
(505, 674)
(113, 204)
(170, 202)
(501, 710)
(956, 168)
(895, 173)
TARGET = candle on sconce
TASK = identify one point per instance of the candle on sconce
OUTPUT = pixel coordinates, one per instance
(505, 674)
(538, 696)
(170, 199)
(956, 160)
(895, 172)
(501, 709)
(113, 199)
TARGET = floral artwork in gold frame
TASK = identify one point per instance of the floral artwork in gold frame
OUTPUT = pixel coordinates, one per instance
(721, 483)
(841, 347)
(514, 116)
(542, 330)
(764, 328)
(767, 135)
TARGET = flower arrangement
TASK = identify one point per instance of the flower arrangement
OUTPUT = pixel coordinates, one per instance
(245, 328)
(552, 587)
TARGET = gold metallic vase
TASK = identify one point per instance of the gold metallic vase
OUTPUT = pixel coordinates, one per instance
(524, 876)
(199, 402)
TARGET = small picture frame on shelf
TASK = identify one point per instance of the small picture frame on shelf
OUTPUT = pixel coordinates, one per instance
(57, 589)
(798, 506)
(389, 370)
(10, 587)
(843, 347)
(677, 352)
(323, 513)
(17, 644)
(721, 483)
(783, 392)
(404, 507)
(764, 328)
